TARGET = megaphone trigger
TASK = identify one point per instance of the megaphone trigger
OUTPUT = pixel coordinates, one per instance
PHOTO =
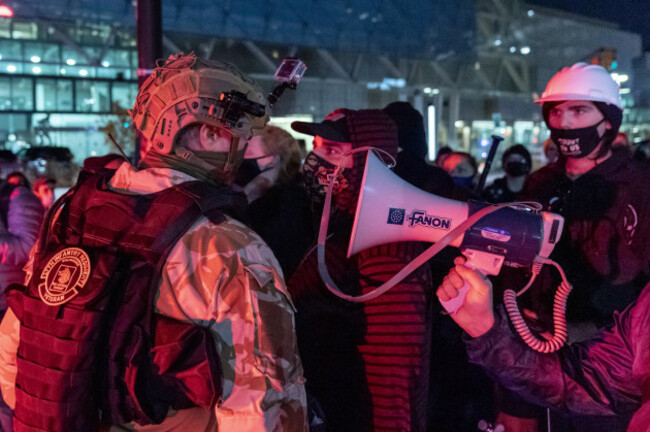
(484, 263)
(454, 304)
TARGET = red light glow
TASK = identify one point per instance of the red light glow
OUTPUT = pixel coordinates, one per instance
(6, 12)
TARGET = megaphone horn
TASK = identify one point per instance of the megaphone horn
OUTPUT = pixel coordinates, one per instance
(391, 210)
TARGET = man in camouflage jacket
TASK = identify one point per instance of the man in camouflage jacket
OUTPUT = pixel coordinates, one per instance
(218, 275)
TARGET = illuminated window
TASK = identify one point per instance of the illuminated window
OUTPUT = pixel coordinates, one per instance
(91, 96)
(24, 30)
(53, 95)
(124, 94)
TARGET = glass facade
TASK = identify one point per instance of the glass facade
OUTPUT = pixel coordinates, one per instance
(77, 50)
(61, 83)
(53, 94)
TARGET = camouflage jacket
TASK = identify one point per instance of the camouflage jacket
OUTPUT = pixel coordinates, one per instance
(224, 273)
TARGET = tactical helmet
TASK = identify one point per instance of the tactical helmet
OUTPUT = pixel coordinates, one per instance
(582, 82)
(188, 90)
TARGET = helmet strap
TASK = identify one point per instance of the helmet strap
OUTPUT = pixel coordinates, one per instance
(233, 161)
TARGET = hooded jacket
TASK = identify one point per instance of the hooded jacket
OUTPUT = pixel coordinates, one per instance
(21, 220)
(605, 246)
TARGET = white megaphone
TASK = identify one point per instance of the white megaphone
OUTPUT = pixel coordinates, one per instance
(390, 210)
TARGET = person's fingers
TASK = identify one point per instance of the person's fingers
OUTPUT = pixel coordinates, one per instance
(442, 294)
(447, 290)
(455, 279)
(450, 290)
(460, 260)
(473, 277)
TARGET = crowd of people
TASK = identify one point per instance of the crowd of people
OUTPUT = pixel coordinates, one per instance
(184, 293)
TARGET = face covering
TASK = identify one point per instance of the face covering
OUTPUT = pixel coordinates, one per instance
(317, 173)
(465, 182)
(211, 167)
(516, 169)
(250, 169)
(577, 143)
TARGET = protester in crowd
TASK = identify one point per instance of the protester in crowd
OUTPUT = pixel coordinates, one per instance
(551, 152)
(621, 142)
(516, 162)
(601, 193)
(366, 364)
(21, 215)
(271, 158)
(642, 152)
(459, 392)
(462, 168)
(17, 178)
(443, 152)
(605, 376)
(198, 330)
(279, 210)
(43, 188)
(412, 151)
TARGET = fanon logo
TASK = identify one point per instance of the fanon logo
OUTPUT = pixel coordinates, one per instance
(420, 217)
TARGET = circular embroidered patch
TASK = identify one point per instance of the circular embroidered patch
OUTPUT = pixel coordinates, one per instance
(63, 276)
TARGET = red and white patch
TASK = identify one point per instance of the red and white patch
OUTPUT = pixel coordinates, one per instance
(64, 275)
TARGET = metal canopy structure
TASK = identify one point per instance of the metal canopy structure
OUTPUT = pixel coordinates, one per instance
(469, 58)
(424, 29)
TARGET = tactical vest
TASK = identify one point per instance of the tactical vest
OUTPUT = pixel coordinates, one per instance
(92, 352)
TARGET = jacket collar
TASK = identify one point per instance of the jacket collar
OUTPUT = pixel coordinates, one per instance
(146, 181)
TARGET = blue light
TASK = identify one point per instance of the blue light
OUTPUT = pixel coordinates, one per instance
(126, 124)
(484, 142)
(614, 64)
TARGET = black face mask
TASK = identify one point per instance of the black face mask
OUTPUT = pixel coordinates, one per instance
(516, 169)
(576, 143)
(317, 173)
(248, 170)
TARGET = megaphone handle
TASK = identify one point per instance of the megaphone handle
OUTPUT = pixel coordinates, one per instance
(454, 304)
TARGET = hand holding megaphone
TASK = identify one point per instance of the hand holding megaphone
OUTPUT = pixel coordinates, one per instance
(474, 312)
(489, 235)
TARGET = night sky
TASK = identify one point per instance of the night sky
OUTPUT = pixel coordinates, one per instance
(631, 15)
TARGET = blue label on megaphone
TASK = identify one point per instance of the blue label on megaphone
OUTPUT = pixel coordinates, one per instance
(396, 216)
(495, 234)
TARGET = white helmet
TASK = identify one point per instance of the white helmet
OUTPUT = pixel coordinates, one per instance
(188, 90)
(582, 82)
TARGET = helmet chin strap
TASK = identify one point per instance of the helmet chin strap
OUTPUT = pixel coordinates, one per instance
(229, 168)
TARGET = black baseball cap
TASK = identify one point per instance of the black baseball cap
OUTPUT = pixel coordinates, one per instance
(333, 128)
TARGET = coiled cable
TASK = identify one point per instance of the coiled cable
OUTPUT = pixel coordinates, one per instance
(559, 313)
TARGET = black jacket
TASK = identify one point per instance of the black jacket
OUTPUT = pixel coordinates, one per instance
(607, 375)
(498, 192)
(605, 246)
